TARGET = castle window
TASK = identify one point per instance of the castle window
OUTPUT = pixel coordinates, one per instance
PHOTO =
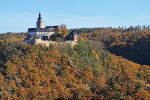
(45, 37)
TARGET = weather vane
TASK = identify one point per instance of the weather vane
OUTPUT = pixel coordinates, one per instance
(39, 11)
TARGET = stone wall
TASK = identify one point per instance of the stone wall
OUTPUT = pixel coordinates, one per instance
(47, 43)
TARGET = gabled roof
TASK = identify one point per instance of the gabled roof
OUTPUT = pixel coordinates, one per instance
(52, 27)
(73, 33)
(31, 29)
(28, 38)
(71, 36)
(40, 30)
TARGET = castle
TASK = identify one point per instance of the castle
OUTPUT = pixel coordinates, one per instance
(41, 35)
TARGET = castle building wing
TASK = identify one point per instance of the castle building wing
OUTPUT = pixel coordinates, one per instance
(41, 35)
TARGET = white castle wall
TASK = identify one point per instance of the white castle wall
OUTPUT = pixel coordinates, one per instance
(40, 34)
(32, 33)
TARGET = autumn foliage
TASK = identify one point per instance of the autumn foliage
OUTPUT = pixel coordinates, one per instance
(83, 72)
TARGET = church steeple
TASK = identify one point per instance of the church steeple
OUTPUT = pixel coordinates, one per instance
(40, 23)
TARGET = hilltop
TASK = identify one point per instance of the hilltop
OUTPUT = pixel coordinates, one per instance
(89, 70)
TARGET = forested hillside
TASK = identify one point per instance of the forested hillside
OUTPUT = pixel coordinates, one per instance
(132, 43)
(83, 72)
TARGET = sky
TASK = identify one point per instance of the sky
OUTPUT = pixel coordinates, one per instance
(19, 15)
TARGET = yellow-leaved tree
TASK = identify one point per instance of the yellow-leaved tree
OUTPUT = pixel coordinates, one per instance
(63, 30)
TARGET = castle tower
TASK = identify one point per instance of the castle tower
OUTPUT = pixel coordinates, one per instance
(39, 23)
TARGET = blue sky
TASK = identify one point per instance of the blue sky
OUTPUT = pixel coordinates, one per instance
(19, 15)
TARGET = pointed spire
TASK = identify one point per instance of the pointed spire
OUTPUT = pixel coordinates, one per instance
(39, 16)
